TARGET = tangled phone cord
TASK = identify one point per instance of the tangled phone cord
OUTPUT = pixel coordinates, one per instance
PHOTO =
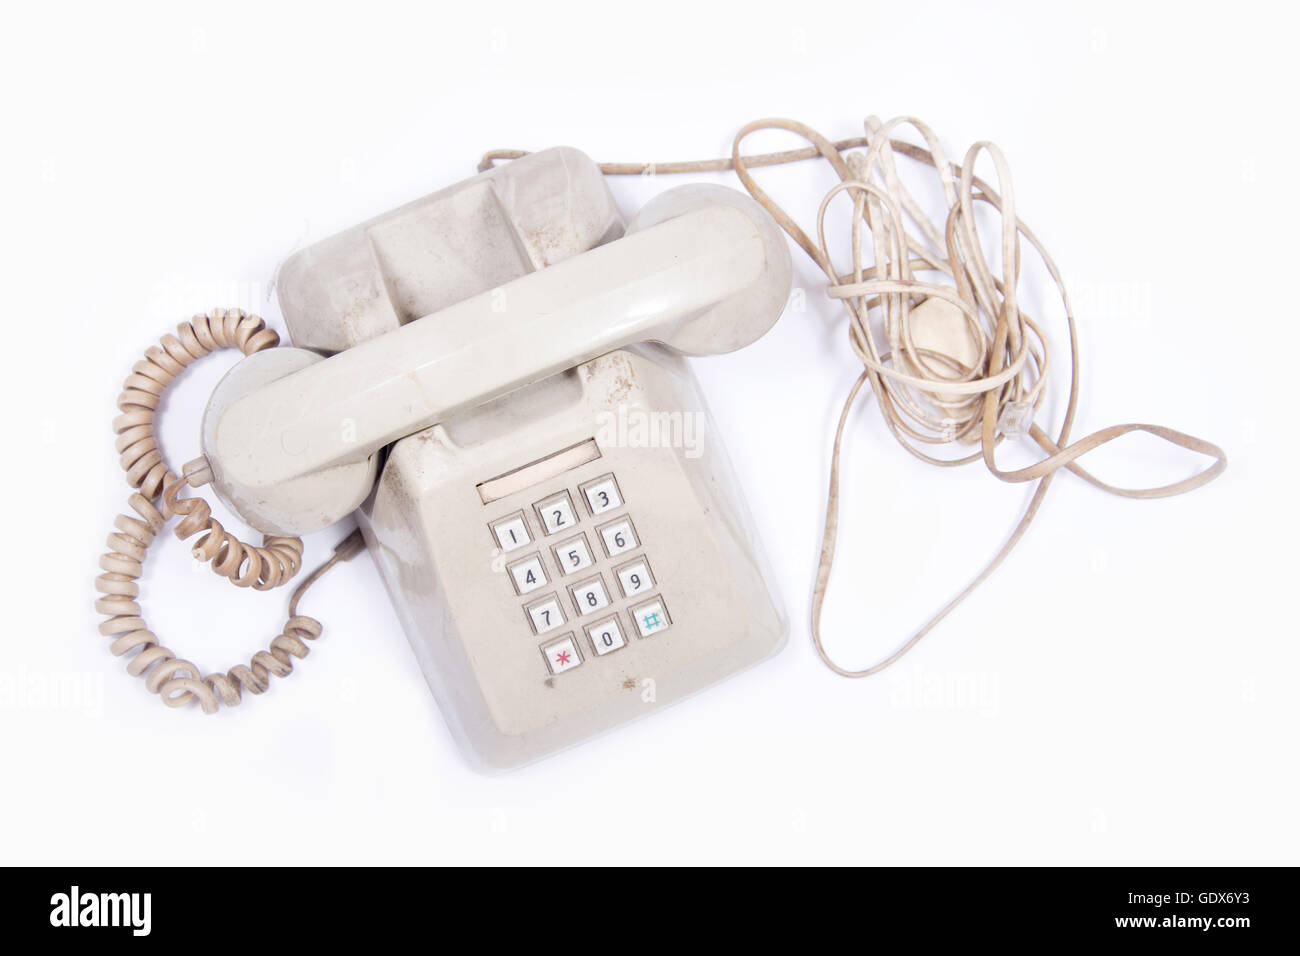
(928, 397)
(175, 680)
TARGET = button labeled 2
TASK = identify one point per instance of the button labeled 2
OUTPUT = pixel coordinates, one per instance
(556, 513)
(573, 555)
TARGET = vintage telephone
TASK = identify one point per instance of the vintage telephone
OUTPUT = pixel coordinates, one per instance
(465, 372)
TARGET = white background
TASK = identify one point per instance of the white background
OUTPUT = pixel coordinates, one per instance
(1122, 691)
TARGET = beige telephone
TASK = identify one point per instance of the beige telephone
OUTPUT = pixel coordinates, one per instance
(490, 378)
(530, 460)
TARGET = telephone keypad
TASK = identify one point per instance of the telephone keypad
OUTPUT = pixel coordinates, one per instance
(602, 495)
(573, 555)
(618, 537)
(590, 596)
(546, 615)
(511, 532)
(562, 655)
(556, 513)
(528, 575)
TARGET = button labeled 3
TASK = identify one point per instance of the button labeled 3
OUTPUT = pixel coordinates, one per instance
(602, 495)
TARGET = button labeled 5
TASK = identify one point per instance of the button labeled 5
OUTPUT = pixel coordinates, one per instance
(573, 555)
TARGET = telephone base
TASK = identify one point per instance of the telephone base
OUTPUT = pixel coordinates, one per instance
(572, 557)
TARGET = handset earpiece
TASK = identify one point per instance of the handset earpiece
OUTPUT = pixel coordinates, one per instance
(290, 437)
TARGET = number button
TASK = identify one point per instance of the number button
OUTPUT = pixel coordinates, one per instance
(606, 636)
(546, 614)
(562, 655)
(573, 555)
(511, 532)
(602, 495)
(618, 537)
(556, 513)
(635, 577)
(528, 574)
(651, 617)
(590, 596)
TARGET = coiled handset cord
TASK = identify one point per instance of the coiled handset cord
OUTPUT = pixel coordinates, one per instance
(928, 397)
(156, 500)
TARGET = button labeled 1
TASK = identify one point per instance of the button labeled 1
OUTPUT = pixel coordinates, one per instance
(511, 532)
(573, 555)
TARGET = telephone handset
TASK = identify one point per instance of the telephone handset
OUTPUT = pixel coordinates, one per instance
(490, 377)
(291, 436)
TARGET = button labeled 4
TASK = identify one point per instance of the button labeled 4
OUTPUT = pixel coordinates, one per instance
(527, 574)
